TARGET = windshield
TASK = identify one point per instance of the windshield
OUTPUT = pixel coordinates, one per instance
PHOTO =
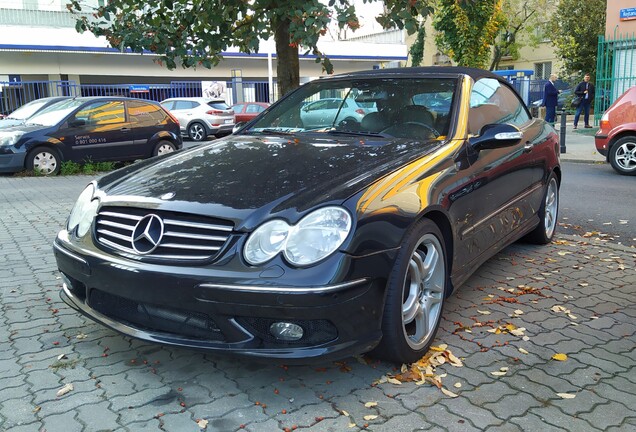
(55, 113)
(417, 108)
(27, 110)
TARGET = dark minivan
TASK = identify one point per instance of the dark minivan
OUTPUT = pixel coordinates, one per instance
(89, 128)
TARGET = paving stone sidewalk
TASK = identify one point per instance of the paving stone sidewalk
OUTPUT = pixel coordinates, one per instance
(575, 297)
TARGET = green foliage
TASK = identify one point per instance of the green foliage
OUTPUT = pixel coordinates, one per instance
(466, 30)
(524, 26)
(88, 167)
(194, 33)
(575, 28)
(417, 49)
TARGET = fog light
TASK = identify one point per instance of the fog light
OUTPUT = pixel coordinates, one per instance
(286, 331)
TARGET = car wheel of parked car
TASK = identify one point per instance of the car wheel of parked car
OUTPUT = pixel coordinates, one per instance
(415, 295)
(197, 132)
(163, 147)
(44, 160)
(622, 155)
(548, 213)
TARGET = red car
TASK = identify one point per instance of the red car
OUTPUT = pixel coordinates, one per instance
(616, 137)
(246, 111)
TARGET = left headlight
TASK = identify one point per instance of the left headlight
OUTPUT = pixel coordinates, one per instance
(314, 237)
(84, 211)
(10, 138)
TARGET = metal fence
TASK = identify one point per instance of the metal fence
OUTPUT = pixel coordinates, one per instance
(615, 70)
(15, 94)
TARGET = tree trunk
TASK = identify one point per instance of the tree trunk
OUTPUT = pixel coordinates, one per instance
(287, 65)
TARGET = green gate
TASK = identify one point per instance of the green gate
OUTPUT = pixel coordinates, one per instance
(615, 70)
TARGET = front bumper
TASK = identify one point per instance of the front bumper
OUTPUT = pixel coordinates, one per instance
(226, 312)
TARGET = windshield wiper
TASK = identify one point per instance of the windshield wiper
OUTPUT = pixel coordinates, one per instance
(358, 133)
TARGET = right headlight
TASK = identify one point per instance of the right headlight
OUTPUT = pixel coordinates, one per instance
(83, 212)
(314, 237)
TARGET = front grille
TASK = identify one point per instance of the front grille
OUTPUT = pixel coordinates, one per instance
(185, 236)
(156, 318)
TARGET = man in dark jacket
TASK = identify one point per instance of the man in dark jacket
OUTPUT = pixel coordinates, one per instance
(550, 99)
(585, 90)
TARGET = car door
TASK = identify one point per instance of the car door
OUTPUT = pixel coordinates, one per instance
(502, 185)
(99, 130)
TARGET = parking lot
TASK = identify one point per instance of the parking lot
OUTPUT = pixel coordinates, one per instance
(510, 325)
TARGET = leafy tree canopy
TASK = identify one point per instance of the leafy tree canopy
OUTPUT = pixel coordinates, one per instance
(575, 28)
(194, 33)
(466, 29)
(525, 25)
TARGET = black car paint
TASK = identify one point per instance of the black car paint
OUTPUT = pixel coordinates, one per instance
(386, 185)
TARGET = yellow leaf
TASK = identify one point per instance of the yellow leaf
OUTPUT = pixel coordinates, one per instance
(370, 417)
(370, 404)
(566, 395)
(449, 393)
(560, 357)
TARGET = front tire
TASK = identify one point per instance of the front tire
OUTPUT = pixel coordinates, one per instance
(44, 160)
(622, 156)
(548, 213)
(416, 291)
(197, 132)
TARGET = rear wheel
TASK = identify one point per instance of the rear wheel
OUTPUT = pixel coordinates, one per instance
(163, 147)
(44, 160)
(415, 295)
(548, 213)
(622, 155)
(197, 132)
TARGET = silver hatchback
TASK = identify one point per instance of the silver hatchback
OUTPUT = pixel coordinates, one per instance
(200, 117)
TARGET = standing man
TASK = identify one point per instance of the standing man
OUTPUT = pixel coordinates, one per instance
(585, 90)
(550, 99)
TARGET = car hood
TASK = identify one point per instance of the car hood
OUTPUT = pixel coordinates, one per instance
(246, 178)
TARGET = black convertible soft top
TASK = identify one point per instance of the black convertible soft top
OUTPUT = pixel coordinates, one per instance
(474, 73)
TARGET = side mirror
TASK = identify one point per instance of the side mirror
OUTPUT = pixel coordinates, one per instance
(238, 126)
(495, 136)
(77, 122)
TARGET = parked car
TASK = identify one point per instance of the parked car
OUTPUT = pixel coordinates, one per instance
(20, 115)
(616, 137)
(246, 111)
(201, 117)
(564, 101)
(287, 242)
(88, 128)
(329, 111)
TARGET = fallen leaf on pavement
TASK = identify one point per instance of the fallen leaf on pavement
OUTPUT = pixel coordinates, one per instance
(449, 393)
(67, 388)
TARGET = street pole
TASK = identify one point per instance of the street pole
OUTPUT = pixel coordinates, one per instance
(562, 138)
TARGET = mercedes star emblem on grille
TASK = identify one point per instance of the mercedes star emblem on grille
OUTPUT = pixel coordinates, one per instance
(147, 234)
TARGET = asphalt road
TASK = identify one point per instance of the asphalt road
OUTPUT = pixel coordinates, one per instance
(596, 200)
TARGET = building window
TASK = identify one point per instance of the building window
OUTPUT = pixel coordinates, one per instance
(542, 70)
